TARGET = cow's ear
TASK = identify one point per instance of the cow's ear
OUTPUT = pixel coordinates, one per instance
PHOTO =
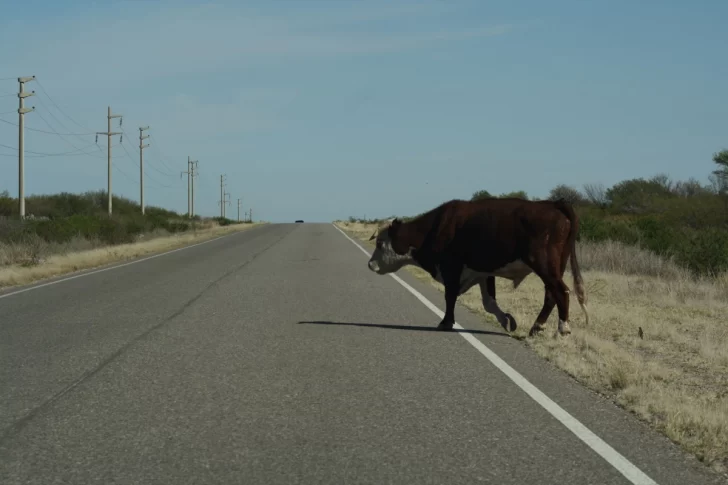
(396, 222)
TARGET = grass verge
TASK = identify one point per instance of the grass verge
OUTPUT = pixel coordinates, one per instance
(81, 254)
(675, 377)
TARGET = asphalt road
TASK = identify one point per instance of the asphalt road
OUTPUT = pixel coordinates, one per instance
(275, 356)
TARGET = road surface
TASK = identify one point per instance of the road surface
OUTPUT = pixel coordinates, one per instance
(274, 355)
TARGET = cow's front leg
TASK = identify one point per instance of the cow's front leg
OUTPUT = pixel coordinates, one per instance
(451, 280)
(451, 296)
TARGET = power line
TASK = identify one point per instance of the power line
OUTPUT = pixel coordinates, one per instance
(42, 154)
(145, 173)
(160, 158)
(59, 108)
(42, 131)
(130, 158)
(163, 173)
(124, 147)
(59, 121)
(125, 174)
(155, 146)
(64, 139)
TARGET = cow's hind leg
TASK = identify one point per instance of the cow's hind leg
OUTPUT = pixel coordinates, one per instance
(548, 306)
(557, 293)
(562, 303)
(487, 292)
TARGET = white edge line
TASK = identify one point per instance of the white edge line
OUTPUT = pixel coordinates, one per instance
(612, 456)
(116, 266)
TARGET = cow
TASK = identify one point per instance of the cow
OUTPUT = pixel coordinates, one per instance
(462, 243)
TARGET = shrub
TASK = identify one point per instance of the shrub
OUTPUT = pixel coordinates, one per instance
(61, 218)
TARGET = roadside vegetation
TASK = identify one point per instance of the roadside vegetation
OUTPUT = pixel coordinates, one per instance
(68, 232)
(654, 254)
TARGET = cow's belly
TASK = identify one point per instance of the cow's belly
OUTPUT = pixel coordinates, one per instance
(515, 271)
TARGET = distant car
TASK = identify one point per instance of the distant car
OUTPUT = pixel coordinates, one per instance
(299, 221)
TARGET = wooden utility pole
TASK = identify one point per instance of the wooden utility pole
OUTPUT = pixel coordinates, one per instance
(227, 201)
(222, 196)
(193, 174)
(142, 146)
(109, 134)
(21, 141)
(189, 207)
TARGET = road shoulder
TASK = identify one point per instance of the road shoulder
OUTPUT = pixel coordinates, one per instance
(60, 267)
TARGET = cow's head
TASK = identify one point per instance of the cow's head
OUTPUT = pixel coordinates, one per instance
(392, 250)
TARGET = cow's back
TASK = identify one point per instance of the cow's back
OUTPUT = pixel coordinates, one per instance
(490, 233)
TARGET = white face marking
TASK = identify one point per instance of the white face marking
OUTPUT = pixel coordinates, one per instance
(384, 260)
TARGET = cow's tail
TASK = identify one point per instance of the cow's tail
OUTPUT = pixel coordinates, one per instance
(579, 288)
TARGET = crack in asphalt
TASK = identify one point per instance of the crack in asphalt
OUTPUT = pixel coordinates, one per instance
(22, 421)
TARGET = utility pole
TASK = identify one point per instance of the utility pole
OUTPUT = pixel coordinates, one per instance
(109, 134)
(21, 141)
(222, 196)
(189, 207)
(227, 201)
(239, 204)
(192, 168)
(141, 164)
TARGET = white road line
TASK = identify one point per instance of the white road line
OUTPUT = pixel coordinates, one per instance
(612, 456)
(114, 267)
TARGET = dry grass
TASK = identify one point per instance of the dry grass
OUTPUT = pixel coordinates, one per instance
(676, 378)
(37, 260)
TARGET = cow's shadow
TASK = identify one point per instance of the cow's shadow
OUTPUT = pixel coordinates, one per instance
(418, 328)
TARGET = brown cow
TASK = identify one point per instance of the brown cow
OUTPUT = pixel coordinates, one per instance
(463, 243)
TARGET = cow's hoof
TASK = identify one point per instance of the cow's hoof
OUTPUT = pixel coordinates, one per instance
(564, 328)
(445, 325)
(510, 324)
(535, 329)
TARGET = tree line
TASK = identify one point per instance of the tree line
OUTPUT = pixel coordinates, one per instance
(683, 220)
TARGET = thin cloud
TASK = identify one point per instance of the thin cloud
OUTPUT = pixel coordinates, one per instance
(173, 41)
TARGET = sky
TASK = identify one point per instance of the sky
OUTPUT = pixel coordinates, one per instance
(321, 110)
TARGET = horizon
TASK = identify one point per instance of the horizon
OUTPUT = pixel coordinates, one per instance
(322, 112)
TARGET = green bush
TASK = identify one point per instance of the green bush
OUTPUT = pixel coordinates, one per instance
(224, 221)
(61, 217)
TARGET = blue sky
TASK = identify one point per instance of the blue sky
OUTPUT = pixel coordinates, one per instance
(325, 109)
